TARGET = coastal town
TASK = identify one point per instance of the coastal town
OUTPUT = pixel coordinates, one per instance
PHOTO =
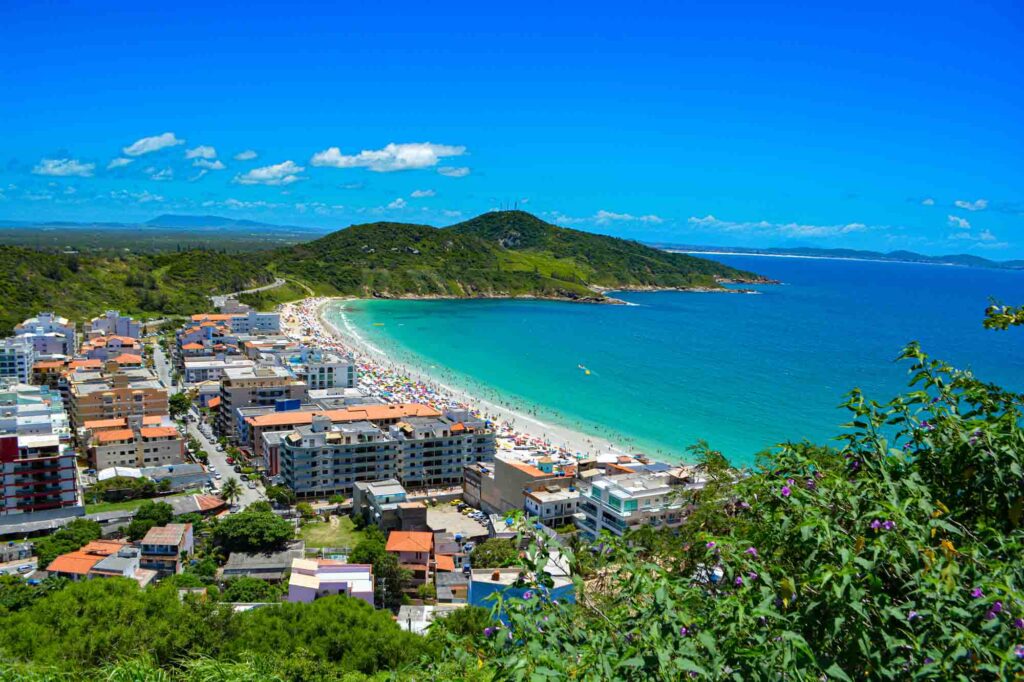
(134, 449)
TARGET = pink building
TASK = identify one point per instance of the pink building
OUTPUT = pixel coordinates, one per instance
(314, 578)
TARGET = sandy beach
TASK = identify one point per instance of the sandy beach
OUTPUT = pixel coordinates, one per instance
(403, 382)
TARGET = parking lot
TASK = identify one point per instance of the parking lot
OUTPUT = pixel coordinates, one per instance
(446, 517)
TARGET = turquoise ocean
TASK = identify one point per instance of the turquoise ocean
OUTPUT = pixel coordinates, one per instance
(743, 372)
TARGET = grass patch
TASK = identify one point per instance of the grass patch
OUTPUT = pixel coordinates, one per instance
(340, 531)
(128, 504)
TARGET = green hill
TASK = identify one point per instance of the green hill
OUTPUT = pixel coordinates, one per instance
(80, 286)
(508, 253)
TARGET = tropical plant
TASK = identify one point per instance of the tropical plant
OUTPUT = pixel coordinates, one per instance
(231, 490)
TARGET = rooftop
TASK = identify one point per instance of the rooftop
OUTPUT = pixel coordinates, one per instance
(171, 534)
(410, 541)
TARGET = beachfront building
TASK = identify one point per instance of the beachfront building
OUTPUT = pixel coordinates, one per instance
(50, 335)
(323, 369)
(500, 485)
(245, 321)
(433, 451)
(267, 430)
(252, 387)
(112, 323)
(324, 459)
(626, 502)
(17, 357)
(312, 579)
(165, 549)
(115, 392)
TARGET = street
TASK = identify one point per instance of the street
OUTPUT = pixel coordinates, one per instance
(220, 462)
(164, 369)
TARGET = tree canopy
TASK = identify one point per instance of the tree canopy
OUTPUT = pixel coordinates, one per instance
(253, 531)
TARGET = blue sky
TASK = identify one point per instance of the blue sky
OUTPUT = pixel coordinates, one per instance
(865, 125)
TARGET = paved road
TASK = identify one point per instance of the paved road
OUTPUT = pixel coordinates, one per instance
(219, 300)
(164, 369)
(219, 460)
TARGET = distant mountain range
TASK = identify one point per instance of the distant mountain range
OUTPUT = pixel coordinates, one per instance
(962, 259)
(168, 221)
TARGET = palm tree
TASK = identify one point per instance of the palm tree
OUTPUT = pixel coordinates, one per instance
(231, 490)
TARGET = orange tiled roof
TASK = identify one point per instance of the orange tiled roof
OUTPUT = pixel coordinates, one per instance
(90, 363)
(352, 413)
(152, 420)
(96, 424)
(125, 340)
(158, 431)
(528, 469)
(214, 402)
(128, 359)
(213, 317)
(410, 541)
(192, 346)
(445, 562)
(48, 364)
(81, 561)
(115, 434)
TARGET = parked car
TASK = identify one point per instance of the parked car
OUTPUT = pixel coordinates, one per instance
(230, 460)
(237, 468)
(252, 485)
(218, 476)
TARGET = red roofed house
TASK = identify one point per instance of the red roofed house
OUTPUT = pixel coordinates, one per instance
(413, 550)
(105, 348)
(76, 565)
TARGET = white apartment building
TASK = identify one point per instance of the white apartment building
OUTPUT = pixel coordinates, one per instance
(554, 506)
(112, 323)
(619, 503)
(329, 370)
(200, 369)
(49, 334)
(17, 355)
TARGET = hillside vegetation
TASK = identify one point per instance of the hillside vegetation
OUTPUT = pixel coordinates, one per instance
(507, 253)
(80, 286)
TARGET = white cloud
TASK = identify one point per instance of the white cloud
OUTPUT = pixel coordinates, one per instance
(393, 157)
(143, 197)
(928, 202)
(199, 175)
(247, 155)
(118, 162)
(208, 165)
(397, 203)
(984, 239)
(421, 193)
(710, 222)
(238, 204)
(152, 144)
(603, 217)
(163, 174)
(453, 172)
(279, 174)
(976, 205)
(448, 213)
(957, 221)
(64, 168)
(201, 152)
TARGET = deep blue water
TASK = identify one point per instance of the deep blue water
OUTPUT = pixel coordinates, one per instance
(741, 371)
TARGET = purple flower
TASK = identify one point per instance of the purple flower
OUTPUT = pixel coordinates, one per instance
(528, 595)
(990, 615)
(683, 632)
(488, 632)
(789, 481)
(977, 593)
(928, 660)
(752, 575)
(855, 465)
(811, 485)
(912, 615)
(997, 607)
(739, 581)
(710, 545)
(785, 491)
(876, 524)
(1019, 623)
(1019, 651)
(752, 551)
(888, 525)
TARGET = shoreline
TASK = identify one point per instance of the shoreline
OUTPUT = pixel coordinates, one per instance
(380, 375)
